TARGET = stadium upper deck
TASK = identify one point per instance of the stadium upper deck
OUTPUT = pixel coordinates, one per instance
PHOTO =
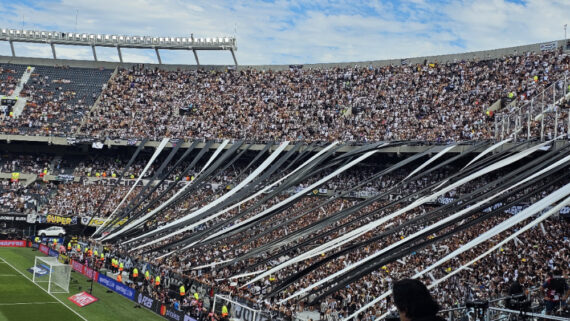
(435, 99)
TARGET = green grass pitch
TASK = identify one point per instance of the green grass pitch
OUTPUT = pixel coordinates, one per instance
(20, 299)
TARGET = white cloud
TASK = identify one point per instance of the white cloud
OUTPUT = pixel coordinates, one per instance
(308, 31)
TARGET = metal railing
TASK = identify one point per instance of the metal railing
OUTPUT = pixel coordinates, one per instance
(538, 117)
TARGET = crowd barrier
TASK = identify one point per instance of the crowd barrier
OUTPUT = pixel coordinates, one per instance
(130, 293)
(13, 243)
(110, 283)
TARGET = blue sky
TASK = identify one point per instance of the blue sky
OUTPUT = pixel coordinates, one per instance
(291, 32)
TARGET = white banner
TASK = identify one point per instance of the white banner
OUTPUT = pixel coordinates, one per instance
(548, 46)
(97, 145)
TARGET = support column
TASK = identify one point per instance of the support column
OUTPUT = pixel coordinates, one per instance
(53, 51)
(12, 47)
(196, 57)
(120, 55)
(555, 123)
(529, 121)
(542, 123)
(503, 128)
(158, 56)
(94, 52)
(234, 56)
(497, 128)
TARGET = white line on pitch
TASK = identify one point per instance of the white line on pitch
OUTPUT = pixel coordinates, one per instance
(53, 296)
(20, 303)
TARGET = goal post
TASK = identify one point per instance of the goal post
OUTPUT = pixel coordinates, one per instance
(49, 270)
(236, 309)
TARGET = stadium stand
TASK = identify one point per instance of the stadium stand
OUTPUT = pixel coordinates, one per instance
(424, 102)
(57, 99)
(482, 282)
(10, 75)
(244, 251)
(427, 102)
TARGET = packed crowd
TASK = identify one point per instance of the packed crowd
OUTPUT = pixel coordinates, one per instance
(16, 197)
(524, 257)
(57, 100)
(431, 102)
(71, 198)
(424, 102)
(24, 163)
(9, 78)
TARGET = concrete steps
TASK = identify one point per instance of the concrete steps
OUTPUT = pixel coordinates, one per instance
(21, 103)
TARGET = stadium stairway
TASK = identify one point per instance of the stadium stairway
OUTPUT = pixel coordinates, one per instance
(21, 103)
(95, 105)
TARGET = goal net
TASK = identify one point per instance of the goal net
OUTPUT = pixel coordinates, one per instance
(51, 275)
(235, 309)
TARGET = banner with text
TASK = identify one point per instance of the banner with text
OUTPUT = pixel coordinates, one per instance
(117, 287)
(82, 299)
(87, 271)
(12, 243)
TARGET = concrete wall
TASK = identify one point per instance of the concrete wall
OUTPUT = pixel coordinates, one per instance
(62, 143)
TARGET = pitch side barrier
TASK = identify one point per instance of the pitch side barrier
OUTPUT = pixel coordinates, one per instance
(144, 299)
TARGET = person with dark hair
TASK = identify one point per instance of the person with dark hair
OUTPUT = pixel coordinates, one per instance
(414, 302)
(516, 292)
(555, 291)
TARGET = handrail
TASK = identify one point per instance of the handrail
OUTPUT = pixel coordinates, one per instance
(538, 315)
(514, 117)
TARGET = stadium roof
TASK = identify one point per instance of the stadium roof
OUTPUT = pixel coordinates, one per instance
(118, 41)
